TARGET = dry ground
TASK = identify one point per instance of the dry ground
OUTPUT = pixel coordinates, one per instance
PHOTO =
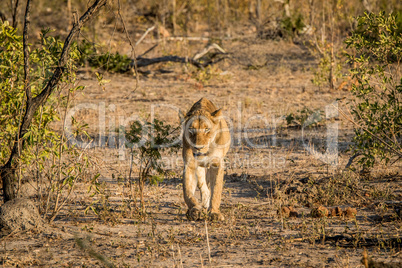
(261, 83)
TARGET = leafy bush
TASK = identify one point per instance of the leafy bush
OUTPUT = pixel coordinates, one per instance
(292, 26)
(376, 54)
(87, 50)
(46, 159)
(42, 60)
(150, 140)
(111, 62)
(329, 66)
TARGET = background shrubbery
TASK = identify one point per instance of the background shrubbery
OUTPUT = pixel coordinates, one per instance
(376, 54)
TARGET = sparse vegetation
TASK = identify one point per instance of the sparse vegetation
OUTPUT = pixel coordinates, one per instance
(111, 62)
(148, 142)
(330, 67)
(115, 205)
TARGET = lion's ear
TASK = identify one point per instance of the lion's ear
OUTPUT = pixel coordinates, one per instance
(217, 114)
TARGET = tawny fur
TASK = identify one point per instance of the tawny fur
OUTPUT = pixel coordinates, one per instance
(206, 141)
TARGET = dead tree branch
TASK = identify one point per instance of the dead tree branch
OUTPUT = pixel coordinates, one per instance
(208, 49)
(149, 50)
(7, 172)
(144, 35)
(350, 161)
(142, 62)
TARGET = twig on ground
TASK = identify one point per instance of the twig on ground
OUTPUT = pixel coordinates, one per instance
(181, 260)
(209, 248)
(142, 62)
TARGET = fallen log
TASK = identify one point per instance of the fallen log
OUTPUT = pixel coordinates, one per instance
(142, 62)
(196, 60)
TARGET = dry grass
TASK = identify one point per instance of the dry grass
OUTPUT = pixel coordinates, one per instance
(258, 182)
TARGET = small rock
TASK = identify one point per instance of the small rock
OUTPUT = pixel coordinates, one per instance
(319, 212)
(350, 212)
(288, 212)
(336, 212)
(284, 212)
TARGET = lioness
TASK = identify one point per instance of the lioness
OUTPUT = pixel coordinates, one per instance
(206, 140)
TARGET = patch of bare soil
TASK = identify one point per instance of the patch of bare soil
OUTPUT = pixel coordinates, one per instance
(276, 176)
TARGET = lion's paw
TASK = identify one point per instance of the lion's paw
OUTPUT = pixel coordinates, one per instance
(194, 214)
(217, 216)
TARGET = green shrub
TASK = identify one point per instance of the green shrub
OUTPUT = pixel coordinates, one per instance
(329, 67)
(87, 50)
(292, 26)
(149, 140)
(376, 54)
(111, 62)
(12, 95)
(46, 159)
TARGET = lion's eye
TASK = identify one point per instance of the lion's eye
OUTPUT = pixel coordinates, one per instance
(207, 130)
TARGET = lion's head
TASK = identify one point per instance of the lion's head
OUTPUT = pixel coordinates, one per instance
(201, 128)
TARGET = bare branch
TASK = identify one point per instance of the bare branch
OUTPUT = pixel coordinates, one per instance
(351, 160)
(149, 50)
(131, 44)
(26, 53)
(144, 35)
(39, 100)
(207, 49)
(15, 13)
(142, 62)
(183, 38)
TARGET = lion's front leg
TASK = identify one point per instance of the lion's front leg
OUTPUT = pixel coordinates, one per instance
(189, 187)
(203, 186)
(215, 178)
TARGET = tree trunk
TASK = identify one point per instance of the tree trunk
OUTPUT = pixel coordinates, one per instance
(10, 183)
